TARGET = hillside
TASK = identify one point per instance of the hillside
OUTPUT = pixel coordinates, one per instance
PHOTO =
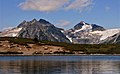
(23, 46)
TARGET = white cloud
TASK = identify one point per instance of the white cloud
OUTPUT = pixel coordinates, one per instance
(42, 5)
(53, 5)
(80, 5)
(63, 23)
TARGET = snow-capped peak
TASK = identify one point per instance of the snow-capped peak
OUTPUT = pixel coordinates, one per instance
(85, 27)
(84, 23)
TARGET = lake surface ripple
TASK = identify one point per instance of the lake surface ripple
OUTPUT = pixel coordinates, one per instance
(59, 64)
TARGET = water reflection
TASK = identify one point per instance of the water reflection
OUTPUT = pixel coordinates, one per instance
(59, 67)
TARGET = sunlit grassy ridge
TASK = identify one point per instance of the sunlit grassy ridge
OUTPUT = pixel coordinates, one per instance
(85, 48)
(89, 48)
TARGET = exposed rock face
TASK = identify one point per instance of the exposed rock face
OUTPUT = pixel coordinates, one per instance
(82, 33)
(79, 25)
(42, 30)
(94, 26)
(97, 28)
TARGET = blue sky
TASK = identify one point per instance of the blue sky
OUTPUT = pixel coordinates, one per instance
(61, 13)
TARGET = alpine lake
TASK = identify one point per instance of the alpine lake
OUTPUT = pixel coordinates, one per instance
(82, 64)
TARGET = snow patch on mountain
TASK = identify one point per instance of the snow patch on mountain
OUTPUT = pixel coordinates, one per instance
(69, 38)
(11, 32)
(85, 27)
(62, 31)
(54, 36)
(107, 33)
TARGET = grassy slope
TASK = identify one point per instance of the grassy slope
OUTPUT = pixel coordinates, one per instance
(86, 48)
(21, 41)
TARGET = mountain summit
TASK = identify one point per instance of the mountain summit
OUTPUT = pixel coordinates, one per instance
(42, 30)
(84, 25)
(84, 33)
(81, 33)
(44, 21)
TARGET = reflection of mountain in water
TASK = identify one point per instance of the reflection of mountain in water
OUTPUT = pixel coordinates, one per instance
(59, 67)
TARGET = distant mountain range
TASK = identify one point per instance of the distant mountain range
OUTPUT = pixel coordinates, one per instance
(82, 33)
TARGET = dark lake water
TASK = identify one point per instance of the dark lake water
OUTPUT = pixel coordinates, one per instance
(59, 64)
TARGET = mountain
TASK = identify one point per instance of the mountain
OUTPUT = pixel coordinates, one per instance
(42, 30)
(84, 25)
(81, 33)
(84, 33)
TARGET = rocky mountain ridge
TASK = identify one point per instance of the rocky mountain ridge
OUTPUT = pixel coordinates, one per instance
(82, 33)
(42, 30)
